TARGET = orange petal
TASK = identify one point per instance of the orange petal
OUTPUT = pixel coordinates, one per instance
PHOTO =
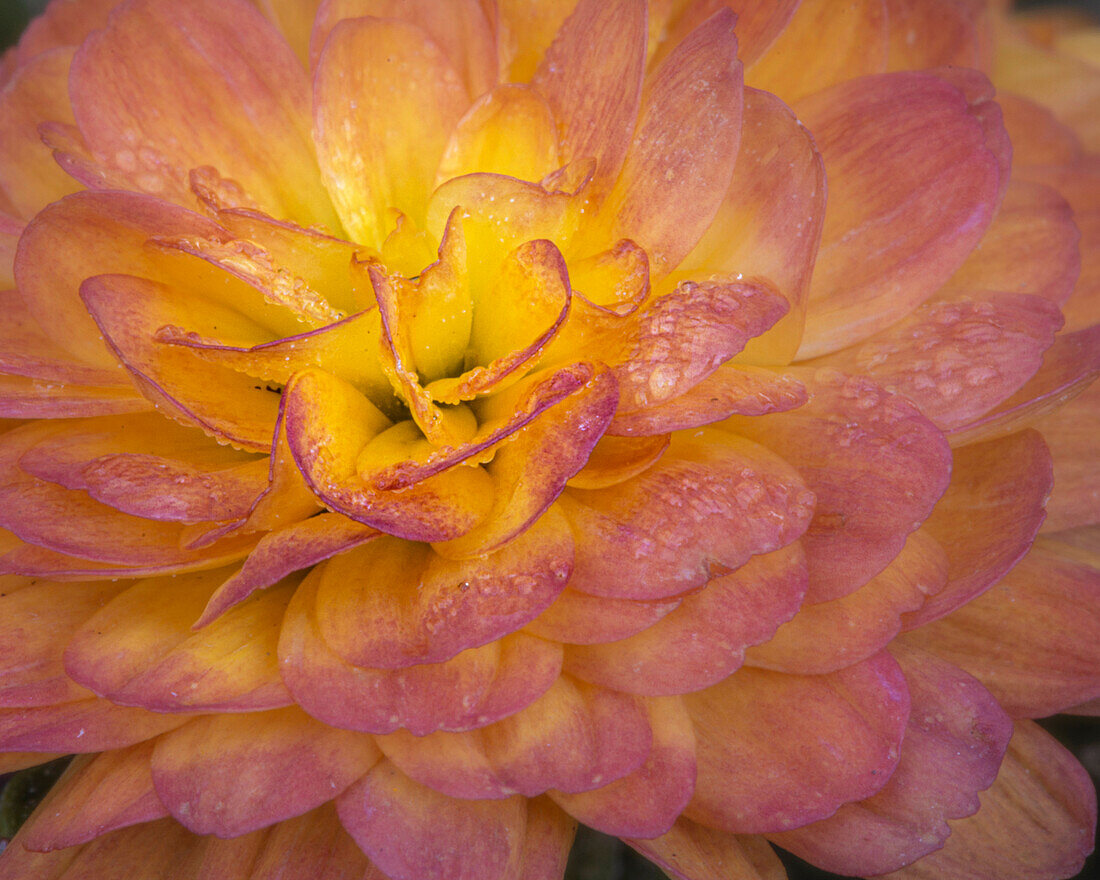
(935, 147)
(390, 604)
(1051, 838)
(769, 223)
(23, 397)
(954, 743)
(473, 688)
(1008, 480)
(385, 101)
(599, 52)
(35, 624)
(794, 66)
(574, 738)
(62, 24)
(831, 635)
(704, 640)
(1033, 231)
(307, 847)
(694, 852)
(582, 619)
(231, 774)
(759, 22)
(294, 18)
(937, 34)
(83, 726)
(549, 839)
(1050, 667)
(214, 58)
(1037, 137)
(678, 167)
(616, 459)
(281, 552)
(460, 29)
(414, 833)
(646, 802)
(37, 93)
(1070, 432)
(709, 504)
(140, 649)
(96, 795)
(876, 465)
(509, 131)
(922, 356)
(750, 781)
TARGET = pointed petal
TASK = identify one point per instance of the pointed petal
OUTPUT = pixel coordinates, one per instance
(1054, 658)
(391, 604)
(679, 165)
(414, 833)
(704, 640)
(599, 53)
(97, 794)
(956, 738)
(231, 774)
(875, 463)
(473, 688)
(386, 99)
(712, 500)
(769, 223)
(830, 635)
(83, 726)
(1008, 480)
(694, 852)
(214, 58)
(1036, 821)
(878, 261)
(752, 782)
(646, 802)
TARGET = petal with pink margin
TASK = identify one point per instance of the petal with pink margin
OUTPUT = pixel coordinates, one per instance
(917, 165)
(956, 738)
(414, 833)
(66, 23)
(759, 22)
(704, 640)
(1070, 432)
(97, 794)
(711, 502)
(875, 463)
(582, 619)
(23, 397)
(750, 781)
(231, 774)
(1049, 837)
(689, 851)
(83, 726)
(474, 688)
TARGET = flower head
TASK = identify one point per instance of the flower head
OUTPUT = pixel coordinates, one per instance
(434, 424)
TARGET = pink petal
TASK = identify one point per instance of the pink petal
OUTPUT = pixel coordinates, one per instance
(704, 640)
(646, 802)
(582, 619)
(385, 101)
(1008, 480)
(759, 22)
(140, 649)
(959, 358)
(712, 502)
(1037, 137)
(751, 781)
(97, 794)
(231, 774)
(876, 137)
(876, 465)
(599, 52)
(414, 833)
(549, 838)
(769, 223)
(1070, 432)
(956, 738)
(62, 24)
(214, 58)
(694, 852)
(1025, 638)
(830, 635)
(678, 167)
(27, 398)
(473, 688)
(1050, 838)
(392, 604)
(83, 726)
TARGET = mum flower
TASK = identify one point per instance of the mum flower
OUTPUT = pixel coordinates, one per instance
(435, 424)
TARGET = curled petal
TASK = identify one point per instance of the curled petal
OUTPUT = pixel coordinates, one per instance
(704, 639)
(709, 504)
(934, 147)
(414, 833)
(231, 774)
(750, 781)
(875, 463)
(616, 459)
(473, 688)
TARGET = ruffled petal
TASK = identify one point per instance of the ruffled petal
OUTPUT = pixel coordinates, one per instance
(750, 781)
(231, 774)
